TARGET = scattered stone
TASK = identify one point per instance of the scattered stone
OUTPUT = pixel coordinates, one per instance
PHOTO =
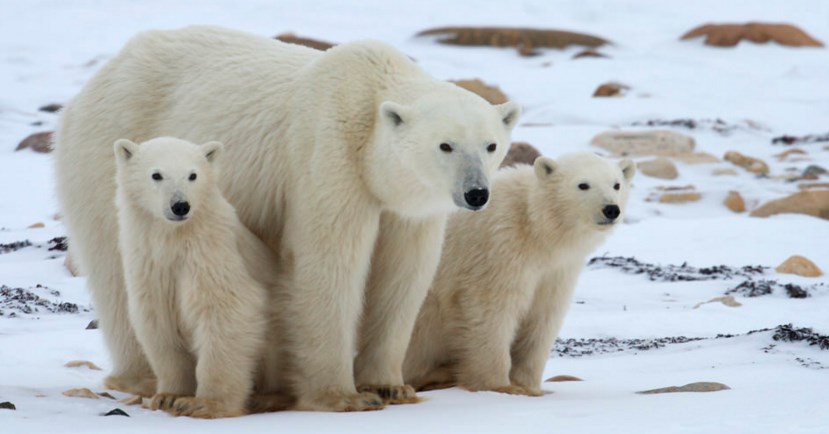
(644, 143)
(703, 386)
(589, 53)
(14, 246)
(116, 412)
(81, 393)
(561, 378)
(520, 153)
(812, 186)
(800, 266)
(51, 108)
(789, 152)
(788, 333)
(809, 202)
(38, 142)
(812, 172)
(680, 197)
(308, 42)
(7, 406)
(751, 288)
(26, 301)
(82, 363)
(106, 395)
(734, 201)
(93, 325)
(59, 244)
(791, 140)
(525, 40)
(727, 300)
(729, 35)
(611, 89)
(485, 91)
(724, 172)
(132, 400)
(661, 168)
(753, 165)
(674, 273)
(697, 158)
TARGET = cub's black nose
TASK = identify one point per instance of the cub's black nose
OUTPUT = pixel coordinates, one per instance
(180, 208)
(611, 211)
(476, 198)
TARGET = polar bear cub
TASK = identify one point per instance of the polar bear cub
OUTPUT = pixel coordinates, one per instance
(507, 274)
(197, 310)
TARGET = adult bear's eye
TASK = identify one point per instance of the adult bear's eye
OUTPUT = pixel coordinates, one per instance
(491, 147)
(616, 186)
(193, 177)
(584, 186)
(445, 147)
(157, 176)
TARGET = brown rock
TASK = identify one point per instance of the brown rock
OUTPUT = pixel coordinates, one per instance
(753, 165)
(729, 35)
(661, 168)
(724, 172)
(82, 363)
(308, 42)
(703, 386)
(799, 265)
(643, 143)
(485, 91)
(727, 300)
(611, 89)
(789, 152)
(38, 142)
(520, 153)
(697, 158)
(81, 393)
(814, 203)
(735, 202)
(589, 53)
(680, 197)
(525, 40)
(560, 378)
(38, 225)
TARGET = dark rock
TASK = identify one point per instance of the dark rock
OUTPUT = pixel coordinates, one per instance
(674, 273)
(116, 412)
(59, 244)
(307, 42)
(752, 288)
(525, 40)
(789, 333)
(589, 53)
(38, 142)
(15, 246)
(791, 140)
(813, 171)
(51, 108)
(26, 301)
(7, 406)
(93, 325)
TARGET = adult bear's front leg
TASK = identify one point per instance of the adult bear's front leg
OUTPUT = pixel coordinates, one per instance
(330, 236)
(404, 262)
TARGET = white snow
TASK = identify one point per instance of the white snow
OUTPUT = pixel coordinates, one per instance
(49, 48)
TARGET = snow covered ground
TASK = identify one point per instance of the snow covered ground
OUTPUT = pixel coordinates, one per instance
(49, 48)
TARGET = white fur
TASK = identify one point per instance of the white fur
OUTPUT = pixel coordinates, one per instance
(196, 308)
(331, 157)
(507, 274)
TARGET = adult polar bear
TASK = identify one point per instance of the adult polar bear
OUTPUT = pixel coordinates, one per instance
(345, 162)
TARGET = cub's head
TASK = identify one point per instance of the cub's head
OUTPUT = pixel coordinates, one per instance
(587, 189)
(441, 150)
(166, 177)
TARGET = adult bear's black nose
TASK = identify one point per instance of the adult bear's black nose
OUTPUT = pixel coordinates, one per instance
(611, 211)
(180, 208)
(476, 198)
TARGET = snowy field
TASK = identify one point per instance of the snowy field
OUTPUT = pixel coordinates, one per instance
(49, 49)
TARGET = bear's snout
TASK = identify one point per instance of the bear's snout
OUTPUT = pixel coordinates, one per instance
(476, 198)
(611, 211)
(180, 208)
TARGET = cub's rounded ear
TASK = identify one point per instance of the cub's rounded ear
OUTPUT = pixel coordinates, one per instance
(628, 168)
(124, 150)
(212, 150)
(394, 113)
(545, 167)
(509, 112)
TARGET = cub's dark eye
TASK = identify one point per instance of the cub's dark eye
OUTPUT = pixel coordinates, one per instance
(192, 177)
(491, 147)
(616, 186)
(584, 186)
(157, 176)
(445, 147)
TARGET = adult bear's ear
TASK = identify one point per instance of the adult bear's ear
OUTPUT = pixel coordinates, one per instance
(394, 113)
(628, 168)
(124, 150)
(509, 112)
(544, 167)
(212, 150)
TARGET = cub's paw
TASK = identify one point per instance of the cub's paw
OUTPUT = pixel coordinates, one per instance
(141, 386)
(397, 394)
(365, 401)
(519, 390)
(202, 408)
(162, 401)
(269, 403)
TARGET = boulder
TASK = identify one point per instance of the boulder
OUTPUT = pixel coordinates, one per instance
(734, 201)
(809, 202)
(662, 143)
(800, 266)
(661, 168)
(520, 153)
(525, 40)
(753, 165)
(729, 35)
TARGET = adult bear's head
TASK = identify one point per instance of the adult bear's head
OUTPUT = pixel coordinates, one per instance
(439, 151)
